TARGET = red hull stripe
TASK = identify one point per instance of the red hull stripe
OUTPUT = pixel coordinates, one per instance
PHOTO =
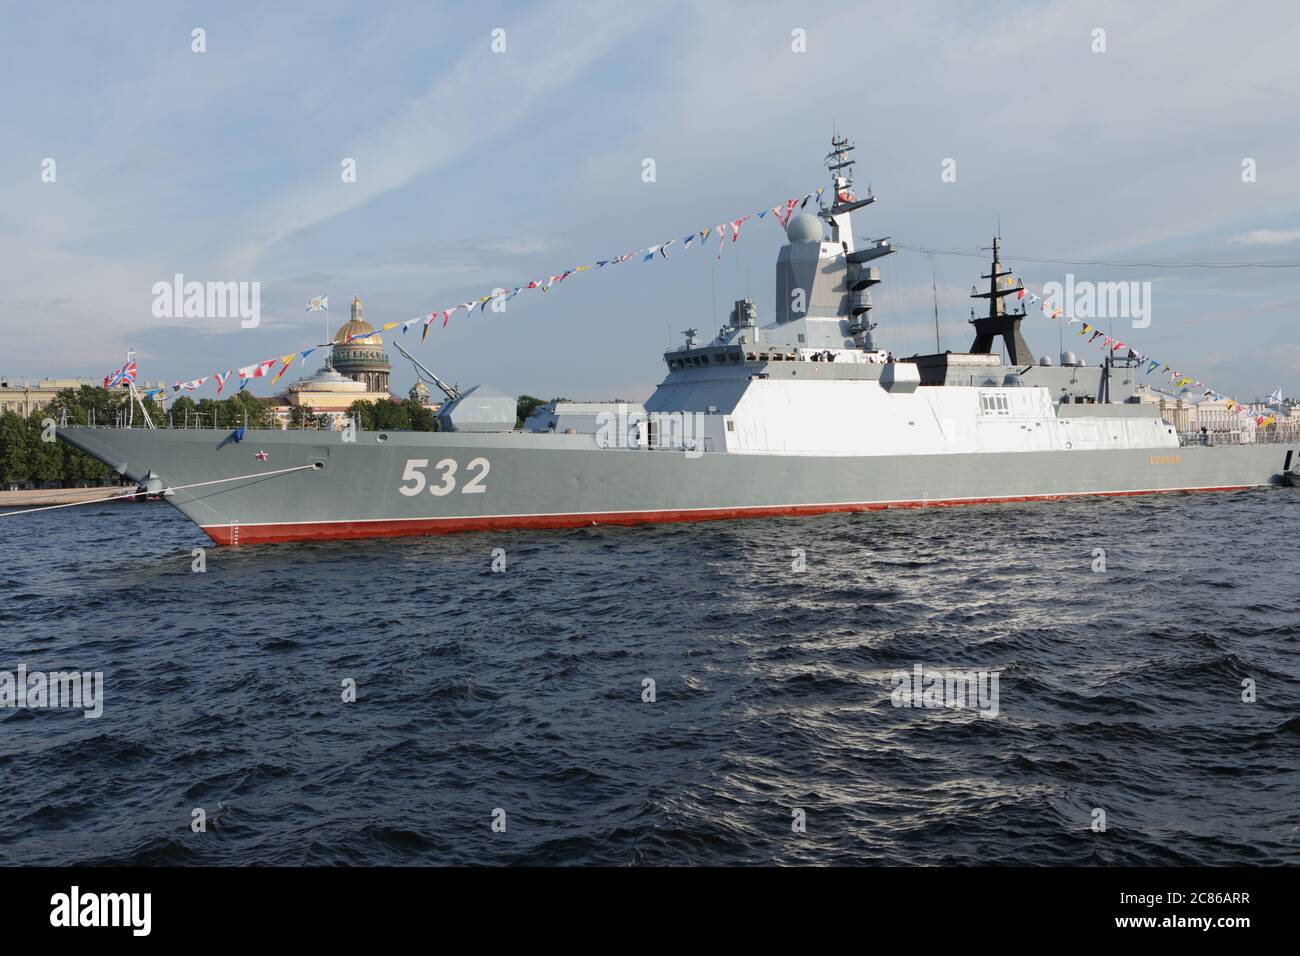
(394, 527)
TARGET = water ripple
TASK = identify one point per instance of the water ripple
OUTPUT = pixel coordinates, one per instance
(522, 699)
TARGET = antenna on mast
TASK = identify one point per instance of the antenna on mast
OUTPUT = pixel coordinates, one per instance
(840, 166)
(999, 322)
(934, 285)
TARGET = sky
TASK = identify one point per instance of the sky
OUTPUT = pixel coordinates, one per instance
(477, 169)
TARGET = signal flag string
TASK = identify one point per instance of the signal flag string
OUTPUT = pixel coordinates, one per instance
(781, 213)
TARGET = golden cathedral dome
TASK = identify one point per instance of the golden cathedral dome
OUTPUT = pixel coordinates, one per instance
(357, 325)
(361, 359)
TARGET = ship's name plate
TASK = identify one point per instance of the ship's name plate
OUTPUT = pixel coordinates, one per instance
(1166, 459)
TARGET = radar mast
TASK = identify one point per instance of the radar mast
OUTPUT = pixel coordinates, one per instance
(860, 276)
(1000, 322)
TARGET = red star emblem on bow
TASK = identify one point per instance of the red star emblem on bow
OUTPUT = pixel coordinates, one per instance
(262, 456)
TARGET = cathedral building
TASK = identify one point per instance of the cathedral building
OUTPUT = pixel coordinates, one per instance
(362, 360)
(357, 371)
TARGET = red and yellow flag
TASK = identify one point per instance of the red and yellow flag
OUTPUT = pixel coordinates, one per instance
(286, 361)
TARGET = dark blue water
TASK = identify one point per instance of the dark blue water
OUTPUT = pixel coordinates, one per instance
(523, 690)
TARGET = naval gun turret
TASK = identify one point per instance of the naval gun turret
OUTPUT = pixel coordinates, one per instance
(480, 408)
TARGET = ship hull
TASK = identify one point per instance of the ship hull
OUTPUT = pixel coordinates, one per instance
(419, 483)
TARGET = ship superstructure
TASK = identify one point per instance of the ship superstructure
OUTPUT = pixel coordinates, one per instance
(802, 415)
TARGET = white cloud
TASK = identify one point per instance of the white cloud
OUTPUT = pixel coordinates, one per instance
(472, 106)
(1266, 237)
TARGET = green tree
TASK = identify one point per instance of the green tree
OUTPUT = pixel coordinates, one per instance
(364, 413)
(524, 407)
(86, 404)
(421, 418)
(527, 404)
(183, 413)
(212, 413)
(44, 458)
(301, 416)
(78, 466)
(388, 415)
(13, 448)
(239, 409)
(82, 406)
(261, 411)
(391, 416)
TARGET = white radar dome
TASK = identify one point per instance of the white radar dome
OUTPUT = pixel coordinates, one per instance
(804, 227)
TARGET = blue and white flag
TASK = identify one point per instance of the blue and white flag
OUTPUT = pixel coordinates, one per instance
(320, 303)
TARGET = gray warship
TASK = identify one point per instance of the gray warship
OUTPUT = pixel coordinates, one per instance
(801, 416)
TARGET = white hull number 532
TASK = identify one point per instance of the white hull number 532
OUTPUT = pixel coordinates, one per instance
(414, 480)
